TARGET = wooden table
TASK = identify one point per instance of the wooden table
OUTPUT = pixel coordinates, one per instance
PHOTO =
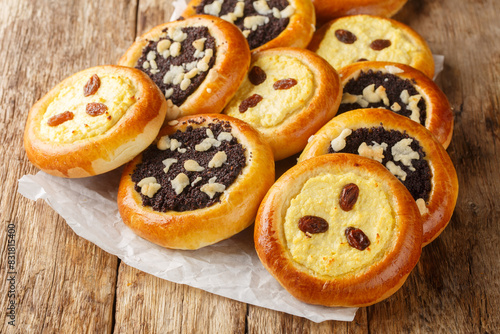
(66, 284)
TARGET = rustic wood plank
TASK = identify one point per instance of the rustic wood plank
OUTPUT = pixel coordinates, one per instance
(63, 283)
(148, 304)
(262, 320)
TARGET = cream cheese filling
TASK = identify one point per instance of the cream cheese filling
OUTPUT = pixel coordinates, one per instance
(117, 93)
(367, 29)
(329, 253)
(276, 105)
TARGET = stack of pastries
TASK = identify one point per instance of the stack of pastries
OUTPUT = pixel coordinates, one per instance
(200, 109)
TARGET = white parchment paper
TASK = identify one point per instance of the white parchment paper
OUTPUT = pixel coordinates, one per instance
(230, 268)
(438, 65)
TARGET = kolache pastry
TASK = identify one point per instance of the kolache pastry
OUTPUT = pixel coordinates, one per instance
(408, 150)
(201, 182)
(198, 63)
(401, 89)
(94, 121)
(330, 9)
(265, 23)
(339, 230)
(350, 39)
(287, 95)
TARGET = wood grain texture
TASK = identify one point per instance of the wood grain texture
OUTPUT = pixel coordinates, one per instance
(267, 321)
(66, 284)
(148, 304)
(151, 13)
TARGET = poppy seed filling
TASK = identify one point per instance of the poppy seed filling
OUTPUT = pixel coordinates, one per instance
(179, 61)
(260, 21)
(402, 96)
(191, 174)
(397, 151)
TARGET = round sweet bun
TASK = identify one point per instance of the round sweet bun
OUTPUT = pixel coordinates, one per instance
(438, 208)
(194, 228)
(323, 267)
(223, 77)
(297, 33)
(327, 10)
(348, 39)
(287, 117)
(71, 135)
(439, 115)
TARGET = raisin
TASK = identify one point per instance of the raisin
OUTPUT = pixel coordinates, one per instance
(380, 44)
(250, 102)
(284, 84)
(348, 196)
(345, 36)
(95, 109)
(357, 238)
(92, 85)
(313, 224)
(60, 118)
(257, 75)
(361, 59)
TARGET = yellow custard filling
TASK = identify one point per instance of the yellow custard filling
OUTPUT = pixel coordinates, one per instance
(329, 253)
(367, 29)
(276, 105)
(115, 92)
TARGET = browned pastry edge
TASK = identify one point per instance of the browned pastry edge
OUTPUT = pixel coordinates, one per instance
(374, 284)
(198, 228)
(291, 135)
(329, 9)
(444, 192)
(102, 153)
(223, 79)
(424, 63)
(297, 34)
(439, 119)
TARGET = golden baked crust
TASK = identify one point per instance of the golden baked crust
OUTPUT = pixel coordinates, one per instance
(77, 149)
(287, 118)
(444, 182)
(407, 46)
(198, 228)
(231, 64)
(361, 286)
(298, 32)
(439, 118)
(330, 9)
